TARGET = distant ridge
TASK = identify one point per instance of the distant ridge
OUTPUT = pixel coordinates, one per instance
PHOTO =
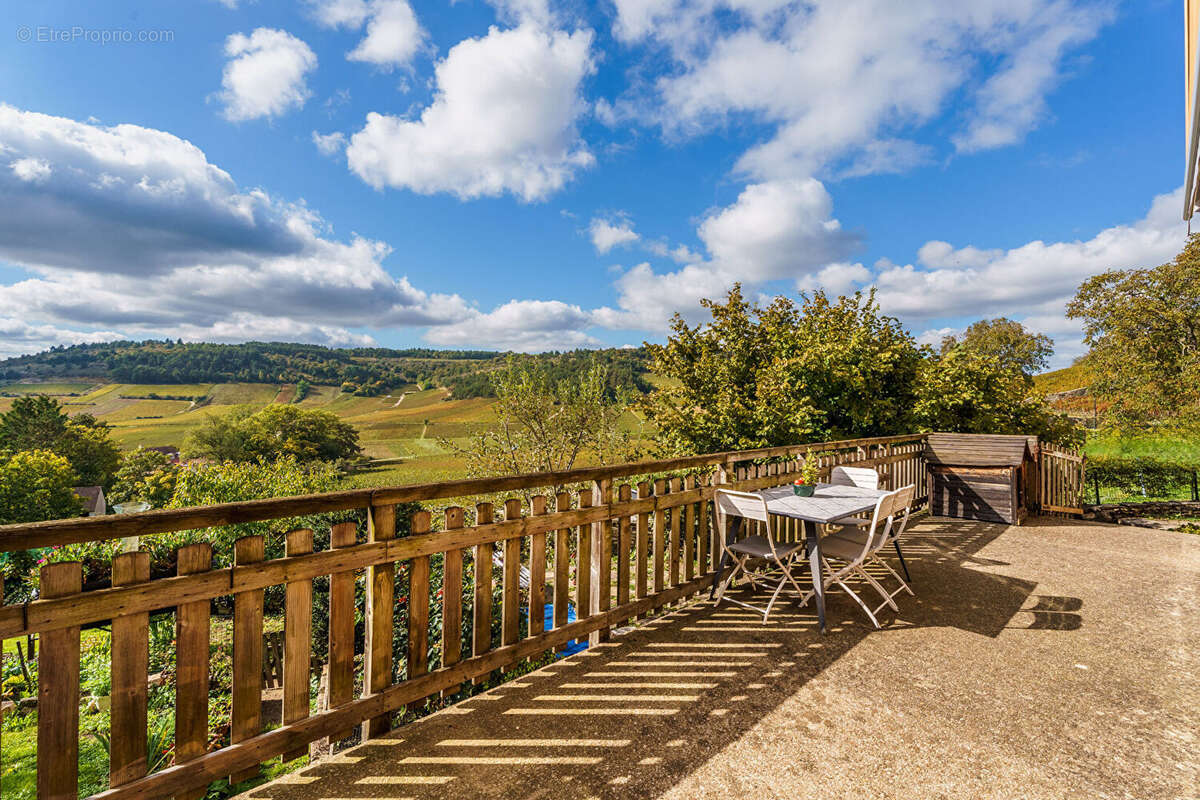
(358, 370)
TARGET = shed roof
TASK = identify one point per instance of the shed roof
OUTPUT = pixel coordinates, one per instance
(91, 496)
(978, 450)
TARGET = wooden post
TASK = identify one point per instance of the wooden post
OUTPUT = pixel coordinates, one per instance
(562, 563)
(624, 542)
(339, 689)
(601, 534)
(58, 692)
(510, 619)
(583, 564)
(675, 532)
(191, 670)
(246, 713)
(418, 609)
(642, 548)
(130, 665)
(452, 591)
(482, 608)
(537, 572)
(377, 652)
(702, 527)
(297, 639)
(689, 533)
(660, 538)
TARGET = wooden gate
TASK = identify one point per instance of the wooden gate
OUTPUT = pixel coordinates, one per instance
(1060, 482)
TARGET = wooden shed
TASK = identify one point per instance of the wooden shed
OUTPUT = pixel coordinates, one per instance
(983, 477)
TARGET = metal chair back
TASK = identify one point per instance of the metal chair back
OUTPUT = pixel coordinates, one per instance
(862, 477)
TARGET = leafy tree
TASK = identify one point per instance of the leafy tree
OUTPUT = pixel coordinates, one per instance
(547, 425)
(39, 423)
(1008, 342)
(200, 484)
(277, 430)
(144, 475)
(1143, 327)
(35, 485)
(33, 422)
(220, 437)
(967, 391)
(756, 377)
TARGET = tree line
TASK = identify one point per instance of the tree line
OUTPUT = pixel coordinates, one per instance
(366, 370)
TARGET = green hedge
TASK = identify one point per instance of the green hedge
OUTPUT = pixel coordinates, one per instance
(1143, 476)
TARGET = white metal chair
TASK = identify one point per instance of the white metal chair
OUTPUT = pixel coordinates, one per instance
(842, 558)
(851, 529)
(779, 554)
(862, 477)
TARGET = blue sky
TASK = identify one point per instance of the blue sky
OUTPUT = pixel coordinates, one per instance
(534, 175)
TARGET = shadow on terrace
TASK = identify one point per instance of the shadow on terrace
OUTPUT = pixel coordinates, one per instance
(997, 680)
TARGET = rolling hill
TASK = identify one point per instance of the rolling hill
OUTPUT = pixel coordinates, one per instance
(430, 397)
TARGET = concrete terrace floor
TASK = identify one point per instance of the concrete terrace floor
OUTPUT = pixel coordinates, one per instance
(1053, 660)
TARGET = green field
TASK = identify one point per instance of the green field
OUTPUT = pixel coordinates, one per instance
(46, 388)
(405, 429)
(412, 432)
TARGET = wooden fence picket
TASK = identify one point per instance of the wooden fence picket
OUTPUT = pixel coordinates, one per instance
(340, 681)
(130, 665)
(58, 692)
(192, 661)
(246, 713)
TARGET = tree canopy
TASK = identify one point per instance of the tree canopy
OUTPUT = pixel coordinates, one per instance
(547, 422)
(783, 374)
(144, 475)
(36, 485)
(982, 382)
(277, 430)
(1007, 342)
(40, 423)
(1143, 327)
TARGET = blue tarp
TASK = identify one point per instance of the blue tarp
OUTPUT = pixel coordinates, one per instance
(574, 646)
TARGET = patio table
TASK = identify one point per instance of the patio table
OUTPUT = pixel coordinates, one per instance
(828, 503)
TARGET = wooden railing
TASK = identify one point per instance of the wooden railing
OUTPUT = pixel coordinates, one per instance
(625, 541)
(1061, 482)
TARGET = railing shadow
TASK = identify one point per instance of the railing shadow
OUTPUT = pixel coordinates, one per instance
(633, 717)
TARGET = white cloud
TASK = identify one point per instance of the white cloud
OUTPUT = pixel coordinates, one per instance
(1013, 100)
(836, 79)
(18, 336)
(522, 325)
(680, 254)
(607, 234)
(329, 144)
(776, 229)
(943, 255)
(519, 12)
(471, 141)
(134, 230)
(31, 170)
(1012, 281)
(1031, 283)
(646, 300)
(266, 74)
(341, 13)
(933, 337)
(393, 35)
(836, 279)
